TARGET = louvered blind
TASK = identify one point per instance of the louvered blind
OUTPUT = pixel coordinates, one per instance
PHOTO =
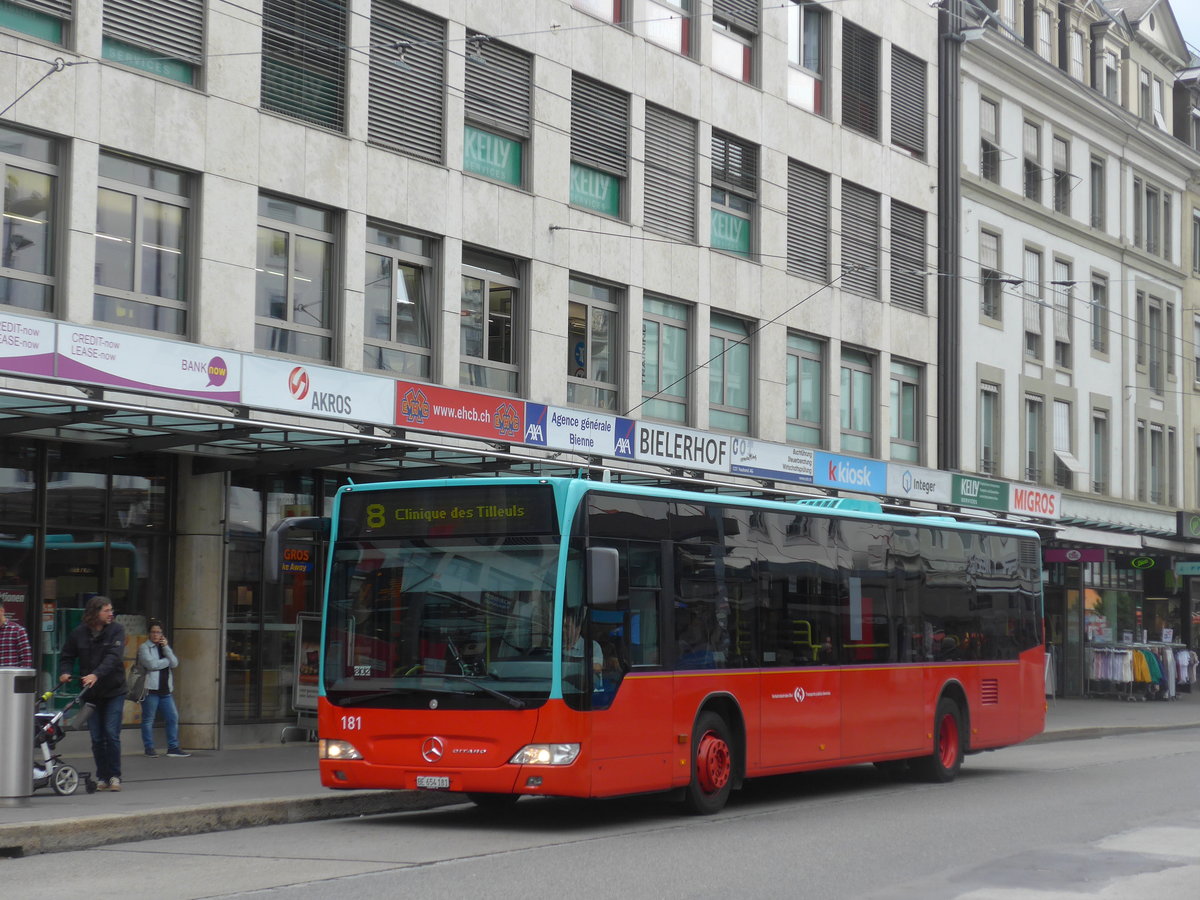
(1063, 292)
(989, 250)
(304, 59)
(860, 240)
(741, 13)
(499, 86)
(860, 79)
(808, 221)
(1032, 141)
(599, 126)
(1033, 292)
(58, 8)
(174, 29)
(670, 189)
(908, 101)
(406, 108)
(908, 257)
(987, 120)
(734, 164)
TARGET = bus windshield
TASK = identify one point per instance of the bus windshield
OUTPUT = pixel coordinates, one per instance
(436, 616)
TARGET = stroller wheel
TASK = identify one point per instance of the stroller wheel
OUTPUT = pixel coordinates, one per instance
(65, 780)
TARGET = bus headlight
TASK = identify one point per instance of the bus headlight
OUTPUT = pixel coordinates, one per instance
(337, 750)
(546, 755)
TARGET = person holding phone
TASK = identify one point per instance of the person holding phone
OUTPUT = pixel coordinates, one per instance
(158, 659)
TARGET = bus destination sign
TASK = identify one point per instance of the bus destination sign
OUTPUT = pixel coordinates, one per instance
(447, 512)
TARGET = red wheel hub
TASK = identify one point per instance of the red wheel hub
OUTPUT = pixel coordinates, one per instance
(713, 763)
(948, 742)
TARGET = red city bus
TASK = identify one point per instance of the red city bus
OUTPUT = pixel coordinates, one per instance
(519, 636)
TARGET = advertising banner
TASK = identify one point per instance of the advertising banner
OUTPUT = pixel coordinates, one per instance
(850, 473)
(125, 360)
(777, 462)
(317, 391)
(433, 408)
(1034, 501)
(26, 345)
(682, 447)
(979, 493)
(1073, 555)
(916, 483)
(582, 432)
(308, 655)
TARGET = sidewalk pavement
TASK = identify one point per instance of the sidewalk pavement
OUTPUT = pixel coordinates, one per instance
(219, 790)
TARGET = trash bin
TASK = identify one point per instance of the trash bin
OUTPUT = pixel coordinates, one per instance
(17, 687)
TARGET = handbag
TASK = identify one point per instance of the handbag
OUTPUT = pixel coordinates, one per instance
(135, 682)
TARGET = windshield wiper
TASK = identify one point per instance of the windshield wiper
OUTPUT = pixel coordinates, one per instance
(514, 702)
(359, 699)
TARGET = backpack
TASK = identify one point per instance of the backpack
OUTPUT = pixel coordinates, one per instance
(135, 682)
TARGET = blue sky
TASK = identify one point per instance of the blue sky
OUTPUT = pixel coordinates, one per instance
(1187, 14)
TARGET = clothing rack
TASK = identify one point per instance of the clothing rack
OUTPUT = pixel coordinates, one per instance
(1153, 670)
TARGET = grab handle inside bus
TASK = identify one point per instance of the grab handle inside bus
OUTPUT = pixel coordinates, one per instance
(278, 533)
(603, 575)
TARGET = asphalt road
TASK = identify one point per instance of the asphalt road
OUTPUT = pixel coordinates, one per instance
(1114, 817)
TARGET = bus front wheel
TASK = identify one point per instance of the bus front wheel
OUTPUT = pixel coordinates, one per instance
(712, 766)
(947, 756)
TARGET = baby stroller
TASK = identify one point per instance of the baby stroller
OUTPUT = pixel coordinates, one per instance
(50, 771)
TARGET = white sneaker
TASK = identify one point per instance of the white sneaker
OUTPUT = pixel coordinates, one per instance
(114, 783)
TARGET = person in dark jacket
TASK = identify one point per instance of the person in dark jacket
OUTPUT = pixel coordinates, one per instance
(98, 645)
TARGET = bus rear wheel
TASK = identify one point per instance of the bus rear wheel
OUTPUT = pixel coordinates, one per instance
(712, 766)
(947, 756)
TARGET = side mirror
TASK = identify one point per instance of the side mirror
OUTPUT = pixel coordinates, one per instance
(603, 577)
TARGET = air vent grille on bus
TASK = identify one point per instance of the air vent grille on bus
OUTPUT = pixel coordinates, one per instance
(1029, 554)
(989, 692)
(845, 503)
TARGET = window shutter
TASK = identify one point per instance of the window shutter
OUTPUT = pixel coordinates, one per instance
(741, 13)
(860, 240)
(860, 79)
(173, 29)
(670, 189)
(734, 164)
(599, 126)
(500, 87)
(406, 104)
(1033, 292)
(1063, 292)
(908, 257)
(304, 59)
(989, 250)
(908, 101)
(58, 8)
(808, 221)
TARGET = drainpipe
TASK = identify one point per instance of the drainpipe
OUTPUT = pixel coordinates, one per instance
(949, 295)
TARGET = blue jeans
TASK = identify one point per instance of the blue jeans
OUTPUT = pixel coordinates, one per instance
(105, 727)
(150, 707)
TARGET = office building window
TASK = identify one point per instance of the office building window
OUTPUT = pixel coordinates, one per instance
(294, 290)
(1196, 241)
(989, 429)
(860, 240)
(989, 140)
(808, 51)
(1109, 77)
(406, 104)
(1063, 292)
(47, 20)
(1158, 472)
(593, 330)
(665, 360)
(609, 10)
(860, 79)
(991, 276)
(1153, 220)
(304, 60)
(489, 331)
(1139, 200)
(805, 390)
(1145, 105)
(906, 411)
(734, 33)
(1062, 176)
(1033, 161)
(1045, 49)
(729, 373)
(734, 193)
(857, 402)
(1075, 54)
(1172, 482)
(1100, 451)
(670, 181)
(1098, 194)
(1140, 460)
(1032, 291)
(1100, 313)
(909, 102)
(30, 168)
(1066, 464)
(909, 267)
(399, 302)
(142, 213)
(669, 23)
(498, 109)
(164, 39)
(1155, 331)
(808, 222)
(599, 146)
(1034, 435)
